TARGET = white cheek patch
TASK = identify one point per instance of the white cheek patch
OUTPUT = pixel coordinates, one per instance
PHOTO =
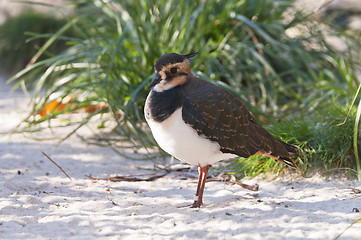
(162, 86)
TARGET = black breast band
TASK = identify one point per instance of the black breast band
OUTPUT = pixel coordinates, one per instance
(165, 103)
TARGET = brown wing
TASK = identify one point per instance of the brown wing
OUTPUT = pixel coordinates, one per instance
(222, 117)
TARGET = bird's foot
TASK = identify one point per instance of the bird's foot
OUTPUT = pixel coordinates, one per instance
(196, 204)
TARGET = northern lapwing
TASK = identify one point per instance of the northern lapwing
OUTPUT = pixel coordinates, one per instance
(201, 123)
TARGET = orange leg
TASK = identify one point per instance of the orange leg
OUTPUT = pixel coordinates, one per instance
(203, 172)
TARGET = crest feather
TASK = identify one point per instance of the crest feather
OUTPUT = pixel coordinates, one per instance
(190, 55)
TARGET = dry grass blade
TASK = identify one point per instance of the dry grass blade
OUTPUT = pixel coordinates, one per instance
(56, 165)
(353, 102)
(254, 187)
(232, 179)
(132, 178)
(357, 220)
(355, 190)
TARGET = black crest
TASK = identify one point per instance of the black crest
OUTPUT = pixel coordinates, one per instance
(171, 58)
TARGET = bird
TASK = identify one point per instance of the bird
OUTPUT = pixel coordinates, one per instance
(201, 123)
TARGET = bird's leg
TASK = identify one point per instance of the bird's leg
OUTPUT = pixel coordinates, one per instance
(203, 172)
(199, 179)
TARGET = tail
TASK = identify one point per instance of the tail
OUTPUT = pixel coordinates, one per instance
(287, 161)
(283, 153)
(292, 153)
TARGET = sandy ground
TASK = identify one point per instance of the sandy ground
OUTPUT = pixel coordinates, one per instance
(37, 201)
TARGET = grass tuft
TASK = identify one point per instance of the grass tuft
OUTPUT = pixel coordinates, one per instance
(298, 86)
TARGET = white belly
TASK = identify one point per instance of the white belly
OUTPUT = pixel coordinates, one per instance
(183, 142)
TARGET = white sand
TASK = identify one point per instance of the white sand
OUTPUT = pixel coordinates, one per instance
(38, 202)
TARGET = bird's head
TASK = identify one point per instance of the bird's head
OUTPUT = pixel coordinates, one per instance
(171, 70)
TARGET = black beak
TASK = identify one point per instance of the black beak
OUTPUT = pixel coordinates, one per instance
(155, 81)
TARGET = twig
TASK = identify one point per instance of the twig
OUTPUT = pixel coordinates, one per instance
(354, 190)
(143, 177)
(56, 165)
(254, 187)
(230, 178)
(132, 178)
(153, 176)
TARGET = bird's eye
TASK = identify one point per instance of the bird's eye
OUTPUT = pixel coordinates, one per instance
(173, 70)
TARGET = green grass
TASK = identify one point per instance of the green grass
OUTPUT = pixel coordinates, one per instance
(324, 145)
(299, 88)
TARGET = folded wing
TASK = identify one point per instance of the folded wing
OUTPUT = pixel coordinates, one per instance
(223, 118)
